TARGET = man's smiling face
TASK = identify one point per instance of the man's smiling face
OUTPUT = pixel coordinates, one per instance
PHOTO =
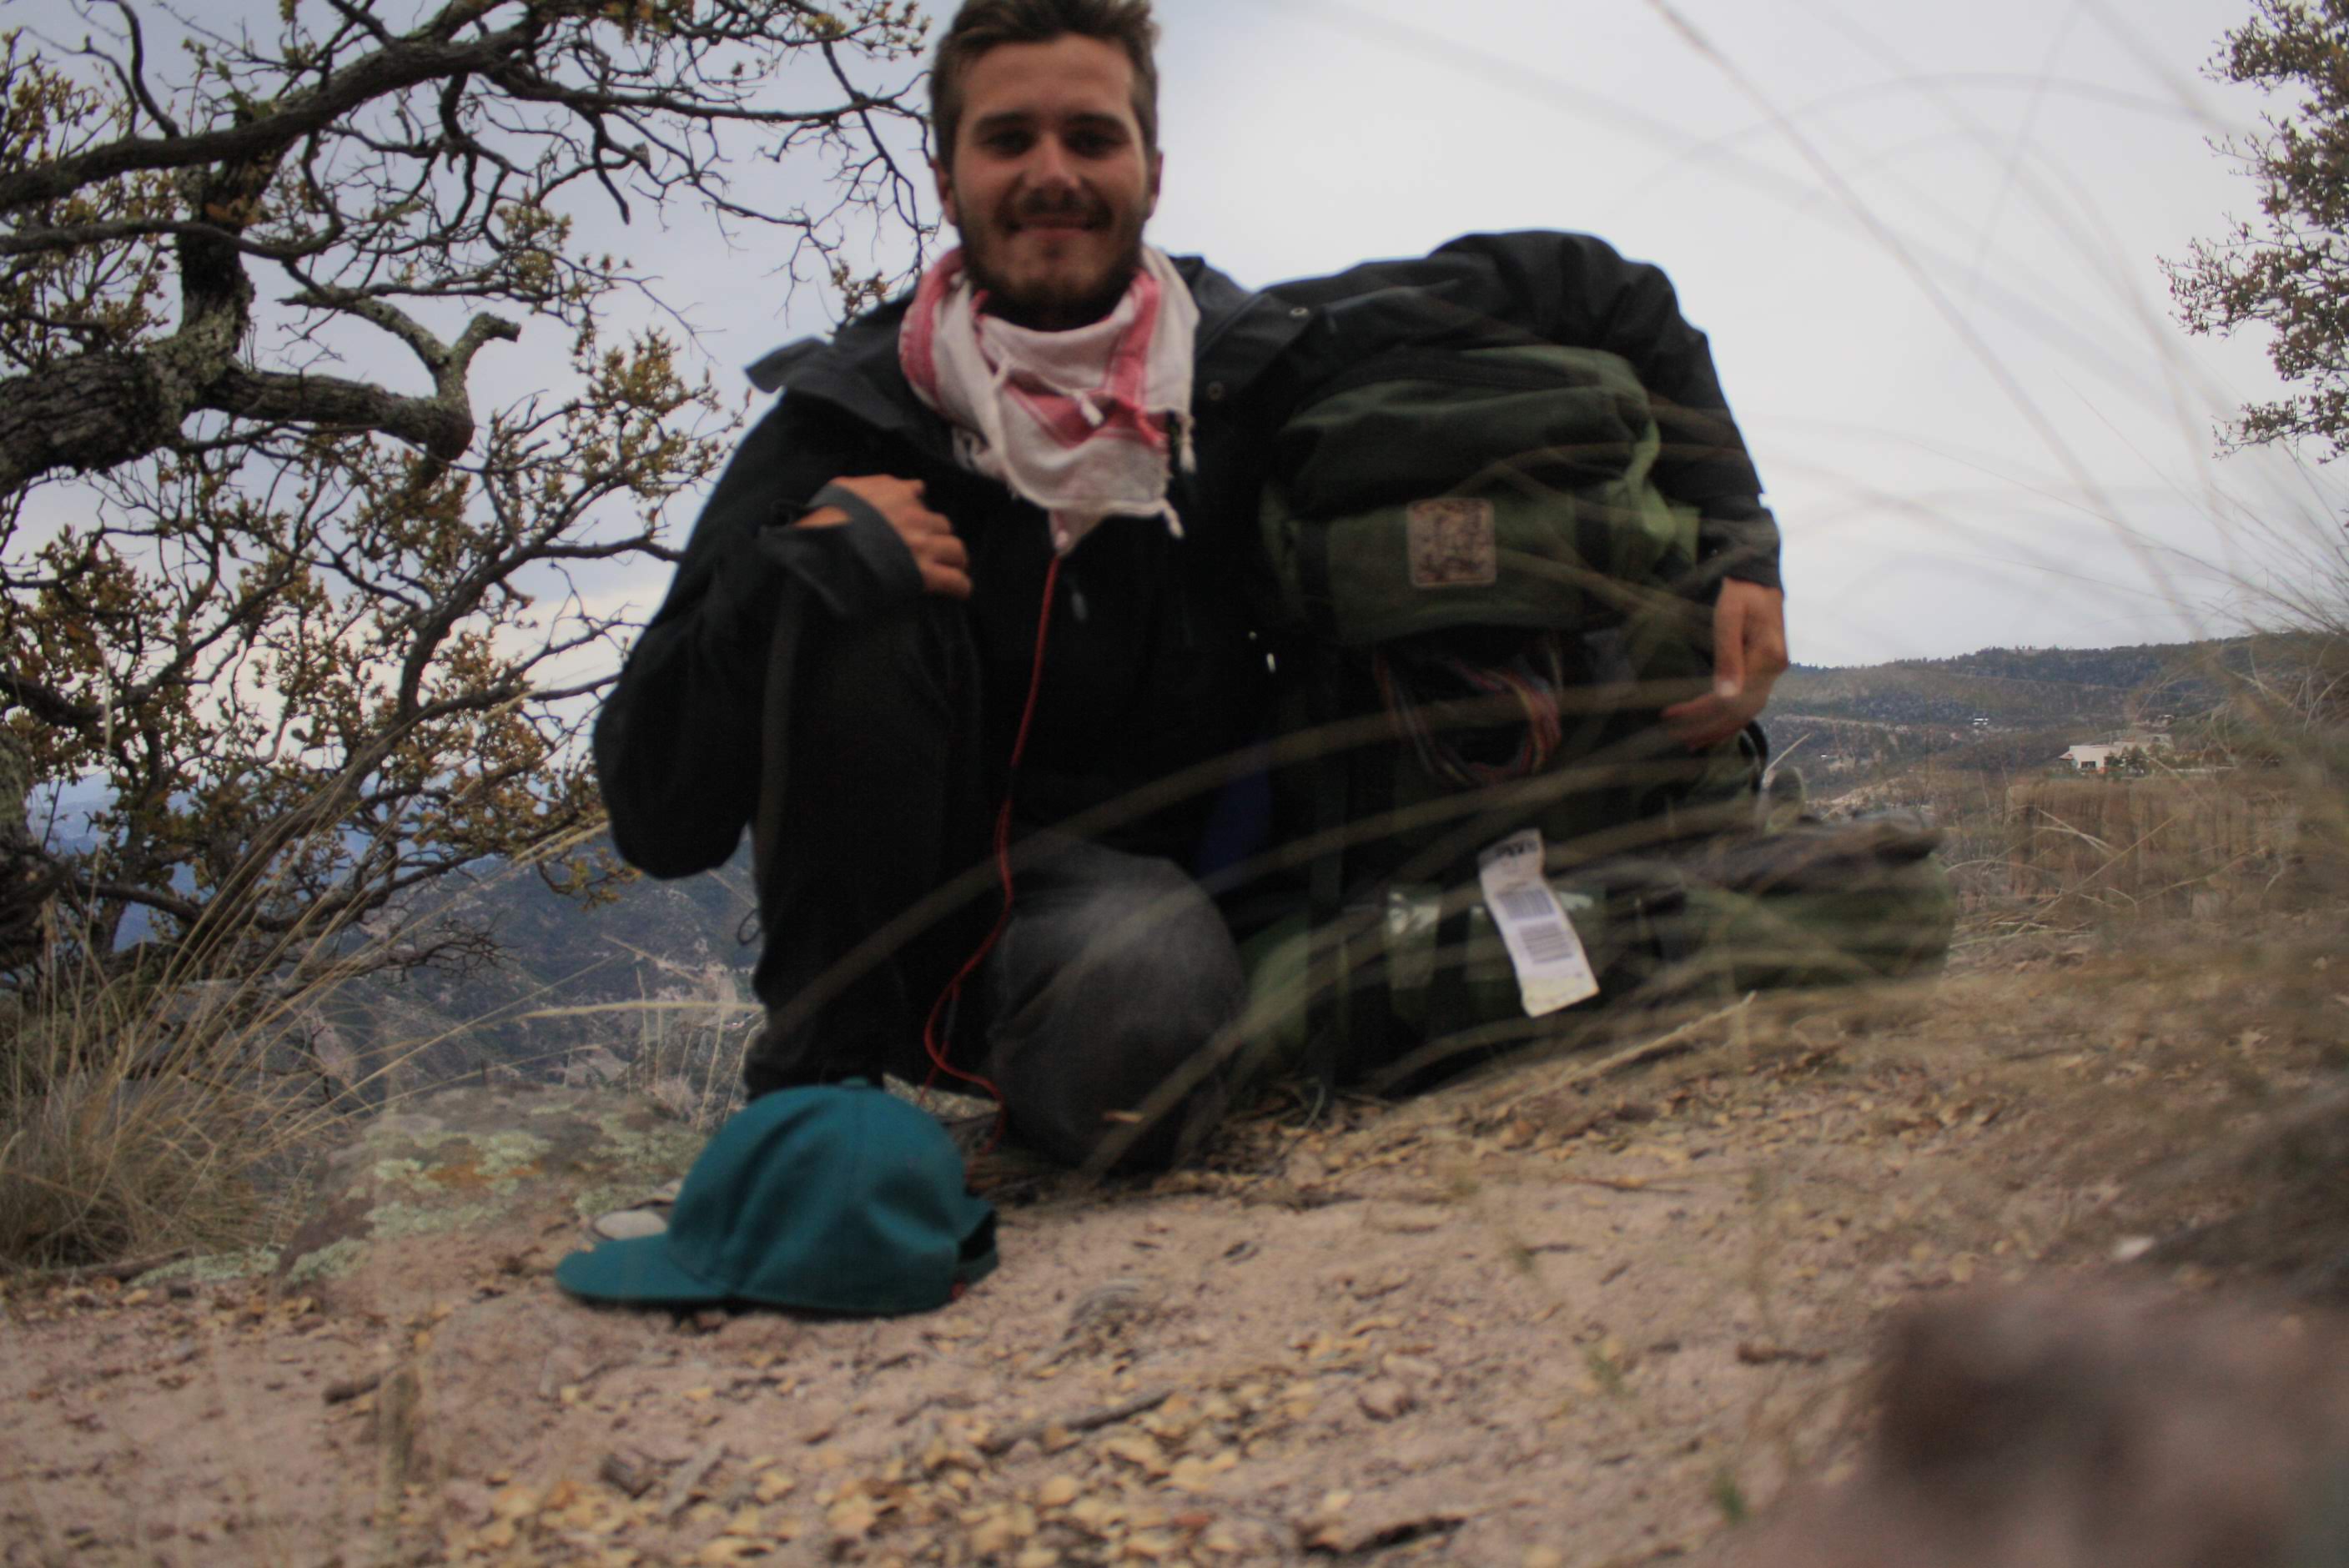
(1049, 180)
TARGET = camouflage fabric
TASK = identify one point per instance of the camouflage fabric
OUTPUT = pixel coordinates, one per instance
(1804, 905)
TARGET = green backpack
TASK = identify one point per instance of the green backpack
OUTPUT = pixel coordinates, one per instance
(1436, 490)
(1465, 541)
(1417, 984)
(1486, 600)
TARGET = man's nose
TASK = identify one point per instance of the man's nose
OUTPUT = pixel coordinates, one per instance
(1049, 167)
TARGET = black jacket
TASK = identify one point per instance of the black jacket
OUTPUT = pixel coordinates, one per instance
(1151, 668)
(1152, 663)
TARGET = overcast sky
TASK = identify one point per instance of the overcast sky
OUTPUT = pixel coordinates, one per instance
(1925, 239)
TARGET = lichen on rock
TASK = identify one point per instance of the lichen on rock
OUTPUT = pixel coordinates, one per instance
(212, 1268)
(481, 1160)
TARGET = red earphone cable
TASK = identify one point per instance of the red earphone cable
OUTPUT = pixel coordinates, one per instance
(934, 1046)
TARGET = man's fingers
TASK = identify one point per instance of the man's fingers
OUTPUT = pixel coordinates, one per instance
(881, 488)
(1750, 637)
(1749, 653)
(927, 526)
(1709, 719)
(1729, 629)
(939, 554)
(945, 562)
(898, 499)
(1694, 723)
(949, 581)
(1765, 654)
(1770, 663)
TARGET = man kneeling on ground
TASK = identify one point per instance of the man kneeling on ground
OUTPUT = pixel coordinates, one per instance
(884, 600)
(899, 612)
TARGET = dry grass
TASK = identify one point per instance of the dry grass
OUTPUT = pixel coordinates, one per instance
(126, 1130)
(2159, 845)
(2262, 814)
(687, 1055)
(145, 1112)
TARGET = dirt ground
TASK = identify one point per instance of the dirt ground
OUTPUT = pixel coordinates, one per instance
(1574, 1314)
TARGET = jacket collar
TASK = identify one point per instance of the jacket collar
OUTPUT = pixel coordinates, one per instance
(1240, 334)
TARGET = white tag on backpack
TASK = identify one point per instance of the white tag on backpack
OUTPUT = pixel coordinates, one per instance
(1553, 972)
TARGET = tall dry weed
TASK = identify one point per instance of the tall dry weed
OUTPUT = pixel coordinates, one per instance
(148, 1107)
(130, 1125)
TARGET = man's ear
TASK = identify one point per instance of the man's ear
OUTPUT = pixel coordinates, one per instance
(1157, 178)
(946, 195)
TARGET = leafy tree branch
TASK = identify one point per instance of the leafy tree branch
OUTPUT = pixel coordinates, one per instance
(321, 631)
(2288, 271)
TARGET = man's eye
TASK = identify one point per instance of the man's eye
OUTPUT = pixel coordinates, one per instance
(1005, 143)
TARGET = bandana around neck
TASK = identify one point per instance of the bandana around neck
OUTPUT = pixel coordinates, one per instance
(1086, 424)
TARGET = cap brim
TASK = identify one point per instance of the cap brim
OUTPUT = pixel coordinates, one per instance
(636, 1270)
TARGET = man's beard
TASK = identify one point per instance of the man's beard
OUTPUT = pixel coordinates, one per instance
(1050, 308)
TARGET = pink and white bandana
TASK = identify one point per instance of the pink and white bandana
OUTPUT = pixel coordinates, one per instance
(1086, 424)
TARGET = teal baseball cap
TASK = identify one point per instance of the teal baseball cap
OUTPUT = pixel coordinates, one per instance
(839, 1198)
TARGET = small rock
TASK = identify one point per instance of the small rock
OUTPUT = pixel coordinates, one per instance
(1112, 1301)
(469, 1502)
(822, 1417)
(663, 1448)
(1385, 1400)
(631, 1224)
(632, 1472)
(344, 1390)
(562, 1365)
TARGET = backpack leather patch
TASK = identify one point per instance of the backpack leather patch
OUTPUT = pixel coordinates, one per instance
(1453, 544)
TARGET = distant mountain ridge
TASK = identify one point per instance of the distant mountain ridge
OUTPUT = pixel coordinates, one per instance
(2016, 689)
(661, 966)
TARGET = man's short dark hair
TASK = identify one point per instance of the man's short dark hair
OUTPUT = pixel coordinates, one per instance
(984, 24)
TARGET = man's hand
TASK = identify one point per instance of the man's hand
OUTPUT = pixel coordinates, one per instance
(1749, 654)
(944, 563)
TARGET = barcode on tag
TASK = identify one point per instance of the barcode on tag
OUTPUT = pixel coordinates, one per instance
(1548, 943)
(1553, 972)
(1525, 903)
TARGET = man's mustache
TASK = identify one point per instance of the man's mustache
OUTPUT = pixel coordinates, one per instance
(1092, 213)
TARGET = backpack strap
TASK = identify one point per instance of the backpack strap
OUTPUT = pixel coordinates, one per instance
(782, 674)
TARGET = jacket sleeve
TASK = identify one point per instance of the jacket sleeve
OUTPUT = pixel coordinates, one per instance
(1577, 289)
(677, 741)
